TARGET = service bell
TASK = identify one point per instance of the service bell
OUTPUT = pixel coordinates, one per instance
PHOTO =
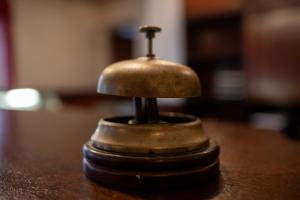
(150, 149)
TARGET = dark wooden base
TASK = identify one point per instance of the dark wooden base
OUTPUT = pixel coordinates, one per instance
(151, 171)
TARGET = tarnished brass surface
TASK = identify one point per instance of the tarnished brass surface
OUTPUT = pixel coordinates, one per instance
(177, 133)
(150, 149)
(149, 77)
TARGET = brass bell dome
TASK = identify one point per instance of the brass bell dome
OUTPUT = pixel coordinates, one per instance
(149, 77)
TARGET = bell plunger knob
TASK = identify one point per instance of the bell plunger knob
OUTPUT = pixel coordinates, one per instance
(150, 34)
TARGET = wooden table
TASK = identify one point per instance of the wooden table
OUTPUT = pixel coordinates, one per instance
(40, 158)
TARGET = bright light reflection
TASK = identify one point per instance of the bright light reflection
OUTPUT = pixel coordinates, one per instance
(27, 99)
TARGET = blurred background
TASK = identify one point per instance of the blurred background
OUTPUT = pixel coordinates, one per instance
(246, 53)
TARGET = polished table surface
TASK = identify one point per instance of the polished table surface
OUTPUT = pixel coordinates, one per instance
(40, 158)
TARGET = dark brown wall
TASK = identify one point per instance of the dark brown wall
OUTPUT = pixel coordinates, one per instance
(272, 50)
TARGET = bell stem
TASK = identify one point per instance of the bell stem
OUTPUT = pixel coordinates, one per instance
(138, 106)
(151, 110)
(150, 48)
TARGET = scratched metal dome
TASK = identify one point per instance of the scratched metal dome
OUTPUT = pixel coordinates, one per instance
(149, 77)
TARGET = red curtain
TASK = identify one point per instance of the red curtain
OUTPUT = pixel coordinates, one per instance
(5, 46)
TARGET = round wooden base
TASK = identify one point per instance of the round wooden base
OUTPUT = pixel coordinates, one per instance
(151, 171)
